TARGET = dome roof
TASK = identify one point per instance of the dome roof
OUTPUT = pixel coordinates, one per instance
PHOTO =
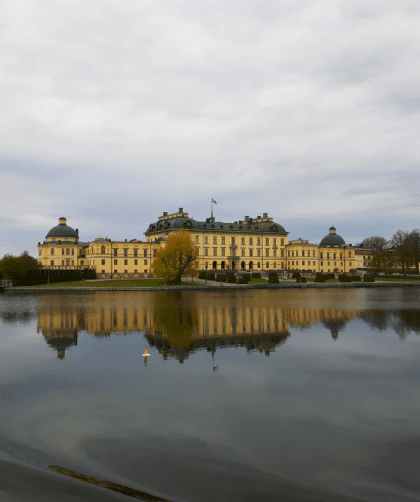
(62, 230)
(332, 239)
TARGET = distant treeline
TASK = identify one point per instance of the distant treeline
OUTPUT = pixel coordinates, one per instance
(24, 270)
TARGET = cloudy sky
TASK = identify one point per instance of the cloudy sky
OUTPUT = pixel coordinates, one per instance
(113, 111)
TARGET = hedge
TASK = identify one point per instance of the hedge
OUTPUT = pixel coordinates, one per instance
(368, 278)
(256, 275)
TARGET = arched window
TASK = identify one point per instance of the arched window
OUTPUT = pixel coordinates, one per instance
(102, 249)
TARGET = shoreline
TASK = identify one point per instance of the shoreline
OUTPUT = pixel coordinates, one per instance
(220, 286)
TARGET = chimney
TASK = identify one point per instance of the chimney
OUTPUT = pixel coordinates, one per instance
(77, 232)
(265, 215)
(181, 209)
(165, 213)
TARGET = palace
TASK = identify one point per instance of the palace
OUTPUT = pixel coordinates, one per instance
(257, 244)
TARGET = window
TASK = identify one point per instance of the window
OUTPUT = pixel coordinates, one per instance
(214, 251)
(72, 262)
(258, 242)
(328, 256)
(321, 255)
(274, 252)
(267, 252)
(266, 265)
(115, 262)
(293, 253)
(258, 252)
(136, 252)
(103, 250)
(125, 262)
(243, 241)
(62, 251)
(223, 240)
(197, 239)
(62, 262)
(145, 253)
(288, 254)
(322, 263)
(52, 262)
(274, 242)
(52, 251)
(125, 271)
(243, 252)
(293, 262)
(282, 242)
(115, 271)
(303, 252)
(251, 242)
(154, 252)
(103, 271)
(39, 251)
(341, 256)
(135, 271)
(145, 262)
(125, 252)
(233, 240)
(313, 263)
(68, 251)
(303, 262)
(250, 252)
(335, 256)
(135, 262)
(206, 265)
(115, 252)
(102, 262)
(223, 251)
(313, 253)
(206, 251)
(282, 253)
(214, 240)
(206, 240)
(82, 262)
(267, 242)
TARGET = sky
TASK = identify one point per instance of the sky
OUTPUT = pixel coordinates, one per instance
(113, 111)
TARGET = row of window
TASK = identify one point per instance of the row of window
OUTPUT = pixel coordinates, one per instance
(64, 251)
(243, 265)
(125, 251)
(233, 241)
(308, 254)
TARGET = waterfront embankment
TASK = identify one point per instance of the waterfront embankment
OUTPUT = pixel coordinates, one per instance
(220, 286)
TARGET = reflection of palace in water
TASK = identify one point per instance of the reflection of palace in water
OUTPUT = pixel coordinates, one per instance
(177, 324)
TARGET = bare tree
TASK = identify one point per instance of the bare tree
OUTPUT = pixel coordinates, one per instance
(379, 245)
(414, 242)
(403, 250)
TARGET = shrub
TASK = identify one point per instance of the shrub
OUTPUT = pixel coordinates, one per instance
(247, 277)
(344, 278)
(356, 278)
(302, 279)
(256, 275)
(210, 276)
(368, 278)
(221, 277)
(243, 280)
(320, 278)
(272, 278)
(329, 277)
(202, 275)
(231, 278)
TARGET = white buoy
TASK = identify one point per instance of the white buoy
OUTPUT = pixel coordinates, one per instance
(146, 353)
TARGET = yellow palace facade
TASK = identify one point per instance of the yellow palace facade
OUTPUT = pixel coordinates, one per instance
(258, 244)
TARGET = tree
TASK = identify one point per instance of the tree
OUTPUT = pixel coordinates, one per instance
(11, 267)
(379, 245)
(177, 258)
(403, 250)
(28, 262)
(414, 242)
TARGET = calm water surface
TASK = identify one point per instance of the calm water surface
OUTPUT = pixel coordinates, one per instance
(246, 395)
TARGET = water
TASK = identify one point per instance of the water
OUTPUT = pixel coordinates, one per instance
(247, 395)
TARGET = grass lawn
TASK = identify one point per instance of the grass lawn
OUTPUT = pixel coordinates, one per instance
(148, 283)
(257, 281)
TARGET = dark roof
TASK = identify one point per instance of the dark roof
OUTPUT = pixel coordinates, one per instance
(332, 240)
(210, 224)
(62, 230)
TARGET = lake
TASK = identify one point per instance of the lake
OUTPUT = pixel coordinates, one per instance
(252, 395)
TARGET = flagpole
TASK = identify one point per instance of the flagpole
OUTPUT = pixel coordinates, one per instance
(212, 208)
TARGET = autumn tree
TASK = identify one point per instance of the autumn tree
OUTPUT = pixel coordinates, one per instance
(28, 262)
(11, 267)
(177, 258)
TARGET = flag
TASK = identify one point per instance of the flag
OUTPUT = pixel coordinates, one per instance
(214, 202)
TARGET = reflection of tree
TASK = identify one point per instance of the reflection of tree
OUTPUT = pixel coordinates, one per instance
(12, 316)
(401, 321)
(177, 319)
